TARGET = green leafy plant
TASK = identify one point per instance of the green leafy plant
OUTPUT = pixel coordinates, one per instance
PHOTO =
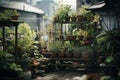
(2, 16)
(8, 13)
(5, 59)
(54, 46)
(15, 12)
(111, 39)
(62, 12)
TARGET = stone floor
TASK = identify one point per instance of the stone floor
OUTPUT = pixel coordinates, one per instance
(62, 75)
(59, 75)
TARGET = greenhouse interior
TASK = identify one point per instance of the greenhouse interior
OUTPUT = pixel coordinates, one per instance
(59, 40)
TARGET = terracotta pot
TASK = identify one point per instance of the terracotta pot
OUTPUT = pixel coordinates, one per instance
(79, 18)
(61, 55)
(53, 55)
(44, 50)
(73, 18)
(71, 38)
(68, 55)
(35, 62)
(76, 55)
(14, 17)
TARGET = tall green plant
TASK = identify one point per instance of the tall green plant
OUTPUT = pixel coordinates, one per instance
(27, 33)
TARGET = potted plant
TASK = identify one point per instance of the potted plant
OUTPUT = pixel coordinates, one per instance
(53, 47)
(8, 13)
(62, 13)
(85, 51)
(15, 15)
(43, 46)
(2, 16)
(77, 52)
(86, 15)
(73, 16)
(68, 49)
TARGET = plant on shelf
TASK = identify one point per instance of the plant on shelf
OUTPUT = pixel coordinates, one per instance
(87, 15)
(69, 49)
(73, 16)
(8, 13)
(43, 45)
(2, 16)
(80, 33)
(11, 14)
(85, 52)
(77, 52)
(15, 15)
(62, 13)
(54, 48)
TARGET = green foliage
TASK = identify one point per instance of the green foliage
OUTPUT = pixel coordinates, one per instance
(68, 47)
(5, 59)
(43, 44)
(85, 49)
(106, 78)
(15, 67)
(55, 46)
(28, 35)
(62, 12)
(109, 59)
(15, 12)
(8, 13)
(79, 32)
(87, 13)
(2, 15)
(111, 40)
(25, 62)
(73, 13)
(77, 49)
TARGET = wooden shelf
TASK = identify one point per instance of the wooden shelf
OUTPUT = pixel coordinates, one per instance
(9, 23)
(71, 59)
